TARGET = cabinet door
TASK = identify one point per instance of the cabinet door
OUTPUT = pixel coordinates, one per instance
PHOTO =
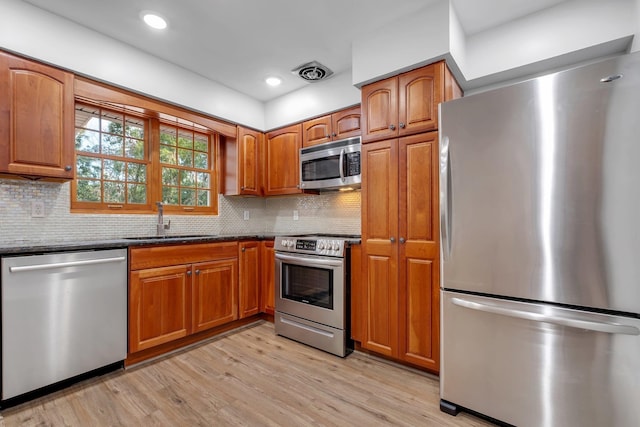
(316, 131)
(215, 293)
(418, 250)
(159, 306)
(345, 123)
(380, 110)
(420, 92)
(249, 161)
(358, 295)
(267, 267)
(379, 234)
(282, 157)
(36, 119)
(249, 298)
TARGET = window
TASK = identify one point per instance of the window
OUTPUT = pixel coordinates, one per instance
(125, 162)
(184, 161)
(111, 160)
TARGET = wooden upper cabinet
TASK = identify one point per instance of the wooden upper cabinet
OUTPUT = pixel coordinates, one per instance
(249, 283)
(419, 93)
(249, 142)
(332, 127)
(380, 110)
(242, 171)
(316, 131)
(406, 104)
(346, 123)
(36, 119)
(281, 161)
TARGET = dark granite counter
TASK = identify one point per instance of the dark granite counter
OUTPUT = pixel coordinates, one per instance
(88, 245)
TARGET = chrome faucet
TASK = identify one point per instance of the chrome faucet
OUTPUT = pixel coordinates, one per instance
(161, 226)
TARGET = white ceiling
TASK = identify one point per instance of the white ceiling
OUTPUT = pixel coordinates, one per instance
(240, 42)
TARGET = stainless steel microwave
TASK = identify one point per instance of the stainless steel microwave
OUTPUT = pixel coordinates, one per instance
(332, 165)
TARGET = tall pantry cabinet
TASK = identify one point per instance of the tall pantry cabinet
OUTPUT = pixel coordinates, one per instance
(400, 222)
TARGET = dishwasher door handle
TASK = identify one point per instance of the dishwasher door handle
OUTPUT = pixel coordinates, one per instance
(36, 267)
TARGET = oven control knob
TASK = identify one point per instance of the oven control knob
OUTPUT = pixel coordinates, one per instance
(290, 243)
(321, 245)
(336, 246)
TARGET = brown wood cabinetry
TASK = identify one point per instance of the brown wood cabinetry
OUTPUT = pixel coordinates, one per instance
(400, 248)
(281, 161)
(159, 306)
(175, 291)
(406, 104)
(332, 127)
(357, 304)
(36, 119)
(267, 267)
(249, 302)
(215, 293)
(242, 163)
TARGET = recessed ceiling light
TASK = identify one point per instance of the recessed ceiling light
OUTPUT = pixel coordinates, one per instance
(154, 20)
(273, 81)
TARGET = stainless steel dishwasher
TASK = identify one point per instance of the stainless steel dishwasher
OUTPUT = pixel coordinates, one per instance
(63, 315)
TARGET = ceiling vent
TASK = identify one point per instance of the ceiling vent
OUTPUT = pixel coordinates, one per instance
(312, 71)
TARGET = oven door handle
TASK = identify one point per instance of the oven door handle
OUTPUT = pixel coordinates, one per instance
(309, 261)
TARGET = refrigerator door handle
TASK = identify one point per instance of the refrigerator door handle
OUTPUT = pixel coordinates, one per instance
(610, 328)
(445, 197)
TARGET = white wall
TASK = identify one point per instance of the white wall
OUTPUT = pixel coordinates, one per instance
(315, 99)
(570, 27)
(636, 41)
(412, 41)
(39, 34)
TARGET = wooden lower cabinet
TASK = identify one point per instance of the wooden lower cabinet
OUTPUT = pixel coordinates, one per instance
(267, 267)
(249, 278)
(159, 306)
(170, 302)
(400, 245)
(215, 293)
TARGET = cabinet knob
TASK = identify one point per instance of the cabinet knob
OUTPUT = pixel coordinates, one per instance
(402, 240)
(243, 249)
(188, 272)
(392, 127)
(392, 239)
(67, 168)
(327, 136)
(401, 125)
(242, 188)
(334, 134)
(197, 271)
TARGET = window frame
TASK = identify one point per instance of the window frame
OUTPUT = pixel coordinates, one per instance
(113, 207)
(155, 112)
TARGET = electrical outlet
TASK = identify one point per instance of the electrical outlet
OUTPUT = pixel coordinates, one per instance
(246, 215)
(295, 215)
(37, 209)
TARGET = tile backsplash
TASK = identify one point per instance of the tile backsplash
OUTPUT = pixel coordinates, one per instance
(334, 212)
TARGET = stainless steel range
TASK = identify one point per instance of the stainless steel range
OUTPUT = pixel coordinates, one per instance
(312, 292)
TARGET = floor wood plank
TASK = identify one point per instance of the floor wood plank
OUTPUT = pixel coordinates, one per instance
(249, 377)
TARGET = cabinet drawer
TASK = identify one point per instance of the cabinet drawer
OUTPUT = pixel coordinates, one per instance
(161, 256)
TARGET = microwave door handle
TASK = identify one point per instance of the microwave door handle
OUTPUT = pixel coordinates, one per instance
(342, 164)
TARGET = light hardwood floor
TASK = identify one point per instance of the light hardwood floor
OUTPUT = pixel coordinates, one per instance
(249, 377)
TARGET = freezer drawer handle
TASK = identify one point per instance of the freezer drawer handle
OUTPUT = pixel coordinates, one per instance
(610, 328)
(18, 269)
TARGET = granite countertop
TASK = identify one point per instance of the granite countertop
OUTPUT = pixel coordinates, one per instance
(40, 248)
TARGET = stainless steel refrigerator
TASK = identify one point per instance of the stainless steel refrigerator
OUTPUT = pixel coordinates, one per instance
(540, 223)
